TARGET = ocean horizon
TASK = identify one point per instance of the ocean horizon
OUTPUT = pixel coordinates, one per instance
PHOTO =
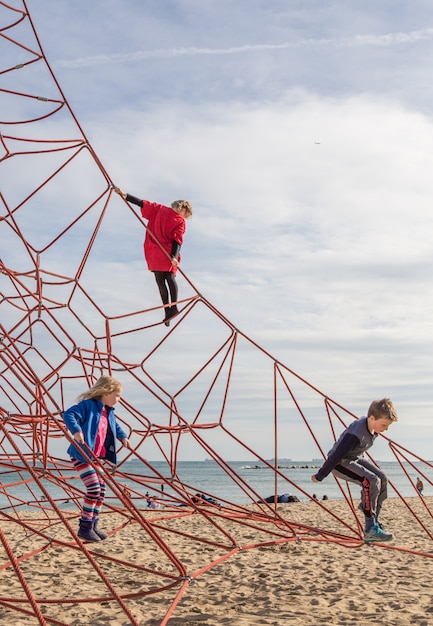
(238, 482)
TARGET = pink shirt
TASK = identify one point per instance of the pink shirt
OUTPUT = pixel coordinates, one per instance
(99, 449)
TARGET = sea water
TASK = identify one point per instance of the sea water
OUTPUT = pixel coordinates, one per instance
(239, 482)
(293, 478)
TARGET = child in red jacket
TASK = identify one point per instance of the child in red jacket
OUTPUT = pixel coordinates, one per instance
(164, 237)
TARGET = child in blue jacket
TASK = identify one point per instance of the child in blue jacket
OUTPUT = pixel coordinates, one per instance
(92, 421)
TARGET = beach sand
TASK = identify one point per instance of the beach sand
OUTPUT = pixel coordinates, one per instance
(309, 581)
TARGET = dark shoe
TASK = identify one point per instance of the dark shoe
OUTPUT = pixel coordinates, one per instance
(86, 531)
(170, 312)
(99, 532)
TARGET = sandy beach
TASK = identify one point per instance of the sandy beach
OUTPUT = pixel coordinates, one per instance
(311, 580)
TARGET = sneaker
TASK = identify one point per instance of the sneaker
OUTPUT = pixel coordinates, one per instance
(377, 534)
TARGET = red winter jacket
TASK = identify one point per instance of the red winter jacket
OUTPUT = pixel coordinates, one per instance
(167, 226)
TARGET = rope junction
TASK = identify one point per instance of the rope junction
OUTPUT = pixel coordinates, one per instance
(59, 332)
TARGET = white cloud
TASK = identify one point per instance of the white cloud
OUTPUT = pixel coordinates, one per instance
(312, 224)
(321, 251)
(385, 40)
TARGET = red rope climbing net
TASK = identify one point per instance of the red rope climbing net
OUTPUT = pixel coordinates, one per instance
(60, 330)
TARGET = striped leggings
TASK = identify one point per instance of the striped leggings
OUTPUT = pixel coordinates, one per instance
(95, 490)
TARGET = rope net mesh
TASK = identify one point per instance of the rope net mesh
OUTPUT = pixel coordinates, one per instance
(61, 328)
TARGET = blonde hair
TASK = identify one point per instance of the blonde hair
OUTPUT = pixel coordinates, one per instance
(103, 385)
(383, 408)
(178, 205)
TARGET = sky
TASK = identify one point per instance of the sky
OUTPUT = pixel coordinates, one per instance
(302, 133)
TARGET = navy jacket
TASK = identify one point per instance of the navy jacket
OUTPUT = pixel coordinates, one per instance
(351, 445)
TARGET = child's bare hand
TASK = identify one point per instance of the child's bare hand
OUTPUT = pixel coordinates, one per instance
(79, 437)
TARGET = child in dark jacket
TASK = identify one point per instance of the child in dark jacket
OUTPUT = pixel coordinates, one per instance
(346, 460)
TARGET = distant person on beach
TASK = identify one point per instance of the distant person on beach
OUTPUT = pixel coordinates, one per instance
(280, 499)
(419, 486)
(152, 503)
(126, 491)
(346, 460)
(164, 237)
(92, 422)
(201, 498)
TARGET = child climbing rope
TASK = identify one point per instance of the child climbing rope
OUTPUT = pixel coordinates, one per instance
(92, 421)
(165, 227)
(346, 460)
